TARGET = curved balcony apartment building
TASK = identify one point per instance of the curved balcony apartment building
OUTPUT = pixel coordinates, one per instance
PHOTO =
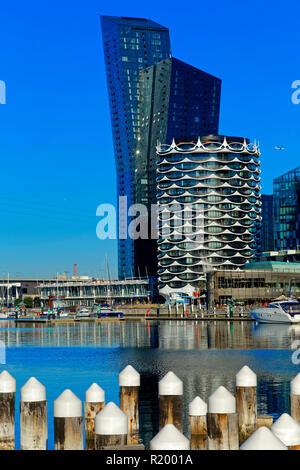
(209, 209)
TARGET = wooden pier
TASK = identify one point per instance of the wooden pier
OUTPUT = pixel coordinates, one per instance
(227, 422)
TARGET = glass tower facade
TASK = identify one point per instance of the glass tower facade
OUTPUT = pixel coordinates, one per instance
(209, 209)
(176, 101)
(130, 45)
(286, 204)
(267, 226)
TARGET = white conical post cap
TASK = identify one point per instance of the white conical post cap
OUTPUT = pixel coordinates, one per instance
(67, 405)
(295, 385)
(95, 394)
(197, 407)
(33, 390)
(263, 439)
(170, 384)
(221, 402)
(129, 377)
(169, 438)
(111, 421)
(246, 378)
(7, 382)
(287, 430)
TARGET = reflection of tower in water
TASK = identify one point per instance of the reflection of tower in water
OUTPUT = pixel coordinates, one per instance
(148, 407)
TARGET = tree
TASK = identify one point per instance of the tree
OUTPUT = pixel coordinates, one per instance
(28, 301)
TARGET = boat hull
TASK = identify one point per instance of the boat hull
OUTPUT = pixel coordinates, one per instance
(265, 315)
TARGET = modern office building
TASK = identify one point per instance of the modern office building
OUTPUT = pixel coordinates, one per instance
(176, 101)
(209, 209)
(130, 45)
(267, 225)
(286, 203)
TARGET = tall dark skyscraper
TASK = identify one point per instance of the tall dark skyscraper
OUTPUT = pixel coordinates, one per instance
(286, 203)
(176, 101)
(130, 45)
(267, 226)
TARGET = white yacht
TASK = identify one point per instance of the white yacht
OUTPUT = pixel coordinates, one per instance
(83, 312)
(278, 312)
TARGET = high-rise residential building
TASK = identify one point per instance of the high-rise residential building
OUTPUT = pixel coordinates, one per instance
(130, 45)
(267, 226)
(176, 101)
(209, 209)
(286, 204)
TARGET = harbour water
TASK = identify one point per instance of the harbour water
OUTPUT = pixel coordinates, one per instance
(203, 354)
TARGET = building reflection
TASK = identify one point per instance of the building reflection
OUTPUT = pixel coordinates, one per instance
(203, 354)
(167, 335)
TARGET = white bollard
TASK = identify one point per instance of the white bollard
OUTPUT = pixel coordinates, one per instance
(170, 391)
(33, 416)
(7, 411)
(198, 424)
(129, 381)
(94, 402)
(263, 439)
(111, 427)
(246, 402)
(68, 422)
(222, 421)
(288, 431)
(295, 398)
(169, 438)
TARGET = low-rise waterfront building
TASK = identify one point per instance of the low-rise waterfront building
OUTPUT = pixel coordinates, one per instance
(256, 284)
(288, 256)
(72, 292)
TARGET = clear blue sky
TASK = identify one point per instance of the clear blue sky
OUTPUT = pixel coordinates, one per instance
(57, 161)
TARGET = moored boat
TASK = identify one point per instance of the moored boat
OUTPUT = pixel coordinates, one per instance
(83, 312)
(108, 311)
(278, 312)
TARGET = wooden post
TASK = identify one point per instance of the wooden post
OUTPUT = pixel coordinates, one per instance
(264, 420)
(263, 439)
(94, 402)
(68, 422)
(295, 398)
(129, 381)
(111, 427)
(198, 424)
(7, 411)
(33, 416)
(222, 421)
(246, 402)
(288, 431)
(170, 390)
(169, 438)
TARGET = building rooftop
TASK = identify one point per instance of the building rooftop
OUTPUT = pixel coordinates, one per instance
(139, 23)
(277, 266)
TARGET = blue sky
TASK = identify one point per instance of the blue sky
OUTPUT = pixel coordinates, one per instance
(56, 151)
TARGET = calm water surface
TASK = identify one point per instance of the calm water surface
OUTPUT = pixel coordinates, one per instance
(203, 354)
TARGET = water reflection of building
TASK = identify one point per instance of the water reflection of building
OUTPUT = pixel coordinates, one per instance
(204, 355)
(164, 335)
